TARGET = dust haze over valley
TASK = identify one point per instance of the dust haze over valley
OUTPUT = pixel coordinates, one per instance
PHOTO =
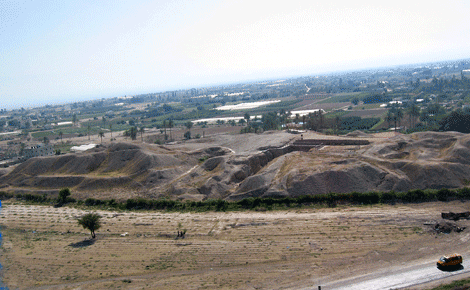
(298, 248)
(389, 142)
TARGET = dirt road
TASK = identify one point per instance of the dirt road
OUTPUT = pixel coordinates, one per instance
(419, 276)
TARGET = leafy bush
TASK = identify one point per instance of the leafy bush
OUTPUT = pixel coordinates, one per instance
(64, 193)
(94, 202)
(6, 195)
(32, 197)
(357, 123)
(204, 158)
(388, 197)
(370, 198)
(444, 194)
(373, 99)
(463, 193)
(414, 196)
(257, 203)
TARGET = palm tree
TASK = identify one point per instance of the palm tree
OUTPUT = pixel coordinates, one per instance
(101, 135)
(311, 121)
(164, 127)
(111, 130)
(60, 135)
(320, 115)
(170, 125)
(389, 118)
(75, 119)
(395, 114)
(414, 113)
(142, 130)
(247, 118)
(189, 125)
(398, 117)
(283, 117)
(337, 123)
(297, 118)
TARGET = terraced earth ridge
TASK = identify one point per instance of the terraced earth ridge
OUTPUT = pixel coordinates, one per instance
(233, 167)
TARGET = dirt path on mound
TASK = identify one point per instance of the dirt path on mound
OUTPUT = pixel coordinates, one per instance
(44, 246)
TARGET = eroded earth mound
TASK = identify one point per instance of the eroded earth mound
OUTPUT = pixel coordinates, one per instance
(252, 165)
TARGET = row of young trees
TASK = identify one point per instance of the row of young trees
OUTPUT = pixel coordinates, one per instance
(443, 85)
(431, 117)
(313, 121)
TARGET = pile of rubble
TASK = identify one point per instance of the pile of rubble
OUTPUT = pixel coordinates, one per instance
(447, 228)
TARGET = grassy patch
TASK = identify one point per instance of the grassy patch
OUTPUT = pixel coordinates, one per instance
(366, 106)
(340, 98)
(456, 285)
(378, 124)
(336, 114)
(42, 134)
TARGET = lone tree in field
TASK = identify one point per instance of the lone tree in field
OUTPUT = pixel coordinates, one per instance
(90, 221)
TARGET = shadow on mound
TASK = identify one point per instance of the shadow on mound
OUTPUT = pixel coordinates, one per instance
(452, 268)
(82, 244)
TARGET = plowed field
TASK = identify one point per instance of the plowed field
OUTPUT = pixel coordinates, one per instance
(44, 247)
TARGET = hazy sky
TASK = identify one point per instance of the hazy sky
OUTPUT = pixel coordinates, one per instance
(65, 50)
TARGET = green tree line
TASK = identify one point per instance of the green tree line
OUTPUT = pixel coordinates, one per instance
(256, 203)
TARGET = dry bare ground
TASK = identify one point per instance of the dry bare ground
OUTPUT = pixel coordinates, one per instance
(44, 247)
(233, 167)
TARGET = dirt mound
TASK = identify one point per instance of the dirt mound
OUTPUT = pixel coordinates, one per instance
(436, 135)
(222, 176)
(211, 152)
(45, 182)
(104, 184)
(120, 166)
(416, 161)
(122, 147)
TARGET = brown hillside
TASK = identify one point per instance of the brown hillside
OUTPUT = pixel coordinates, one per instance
(121, 166)
(238, 166)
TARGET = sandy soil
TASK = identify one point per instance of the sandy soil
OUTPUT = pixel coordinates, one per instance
(44, 248)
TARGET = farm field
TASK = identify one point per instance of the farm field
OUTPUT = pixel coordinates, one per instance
(45, 248)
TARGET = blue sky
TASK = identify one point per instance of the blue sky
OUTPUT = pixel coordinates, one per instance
(61, 51)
